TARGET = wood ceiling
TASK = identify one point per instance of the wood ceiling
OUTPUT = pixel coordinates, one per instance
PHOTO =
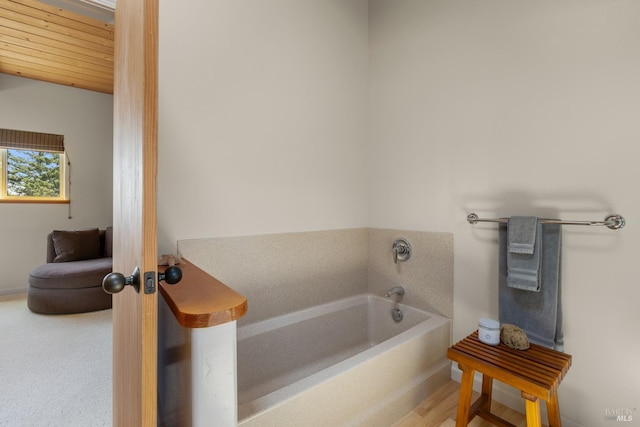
(47, 43)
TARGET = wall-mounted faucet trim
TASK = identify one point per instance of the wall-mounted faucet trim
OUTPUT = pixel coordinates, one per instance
(401, 250)
(398, 290)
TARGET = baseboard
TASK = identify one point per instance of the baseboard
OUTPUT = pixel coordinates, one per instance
(13, 293)
(508, 396)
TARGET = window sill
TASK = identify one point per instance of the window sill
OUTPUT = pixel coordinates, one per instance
(40, 202)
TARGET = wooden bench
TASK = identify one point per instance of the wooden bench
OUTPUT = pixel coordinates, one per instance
(536, 372)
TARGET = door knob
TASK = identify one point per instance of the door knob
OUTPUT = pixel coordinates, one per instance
(171, 275)
(114, 282)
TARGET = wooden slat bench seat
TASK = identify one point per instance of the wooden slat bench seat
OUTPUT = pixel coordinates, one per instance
(536, 372)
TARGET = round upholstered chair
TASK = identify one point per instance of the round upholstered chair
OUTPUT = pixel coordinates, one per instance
(71, 280)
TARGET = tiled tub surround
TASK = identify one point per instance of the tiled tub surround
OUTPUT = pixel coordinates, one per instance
(341, 363)
(427, 276)
(283, 273)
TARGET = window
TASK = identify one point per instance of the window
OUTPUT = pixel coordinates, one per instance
(32, 167)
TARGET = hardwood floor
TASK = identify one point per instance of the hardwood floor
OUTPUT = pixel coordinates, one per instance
(442, 406)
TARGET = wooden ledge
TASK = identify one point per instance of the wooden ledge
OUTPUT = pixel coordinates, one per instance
(200, 300)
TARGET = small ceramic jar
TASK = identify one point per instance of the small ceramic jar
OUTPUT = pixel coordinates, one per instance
(489, 331)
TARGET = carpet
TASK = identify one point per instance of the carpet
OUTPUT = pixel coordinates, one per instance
(55, 370)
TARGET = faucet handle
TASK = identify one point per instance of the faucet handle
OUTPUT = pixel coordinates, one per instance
(401, 250)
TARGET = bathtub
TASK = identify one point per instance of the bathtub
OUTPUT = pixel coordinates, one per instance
(345, 363)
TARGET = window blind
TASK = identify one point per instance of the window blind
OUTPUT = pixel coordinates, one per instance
(36, 141)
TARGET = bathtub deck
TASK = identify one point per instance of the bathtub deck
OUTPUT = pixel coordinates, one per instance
(273, 384)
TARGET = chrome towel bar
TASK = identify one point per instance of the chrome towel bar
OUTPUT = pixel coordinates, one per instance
(614, 222)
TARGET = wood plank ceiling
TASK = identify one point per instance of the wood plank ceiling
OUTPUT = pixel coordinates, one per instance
(46, 43)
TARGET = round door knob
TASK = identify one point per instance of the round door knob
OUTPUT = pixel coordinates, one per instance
(114, 282)
(171, 275)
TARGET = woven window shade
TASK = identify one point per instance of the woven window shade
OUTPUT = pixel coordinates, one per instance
(35, 141)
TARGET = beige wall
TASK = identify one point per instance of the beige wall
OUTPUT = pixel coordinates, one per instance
(263, 109)
(85, 118)
(520, 108)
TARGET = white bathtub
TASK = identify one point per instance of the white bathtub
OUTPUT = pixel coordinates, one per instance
(346, 363)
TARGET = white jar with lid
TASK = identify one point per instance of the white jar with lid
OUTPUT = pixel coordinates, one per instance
(489, 331)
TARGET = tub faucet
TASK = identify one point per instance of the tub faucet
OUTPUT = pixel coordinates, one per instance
(398, 290)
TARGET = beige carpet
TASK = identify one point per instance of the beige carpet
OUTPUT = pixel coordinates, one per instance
(54, 370)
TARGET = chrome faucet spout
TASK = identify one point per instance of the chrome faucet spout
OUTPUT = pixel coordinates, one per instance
(398, 290)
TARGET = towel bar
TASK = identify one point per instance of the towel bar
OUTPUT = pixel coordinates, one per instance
(614, 222)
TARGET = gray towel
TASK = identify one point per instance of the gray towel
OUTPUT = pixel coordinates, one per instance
(538, 314)
(523, 256)
(522, 234)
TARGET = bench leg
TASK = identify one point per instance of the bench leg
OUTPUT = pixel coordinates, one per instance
(532, 405)
(554, 411)
(464, 400)
(487, 388)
